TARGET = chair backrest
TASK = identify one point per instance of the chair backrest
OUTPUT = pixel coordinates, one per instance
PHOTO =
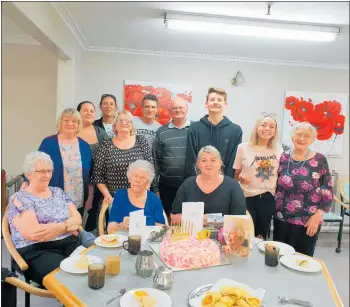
(9, 244)
(344, 191)
(101, 218)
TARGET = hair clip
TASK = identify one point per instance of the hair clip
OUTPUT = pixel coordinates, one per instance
(272, 115)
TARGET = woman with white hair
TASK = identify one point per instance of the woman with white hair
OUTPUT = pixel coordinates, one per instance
(140, 174)
(304, 192)
(256, 167)
(71, 157)
(43, 220)
(220, 194)
(114, 156)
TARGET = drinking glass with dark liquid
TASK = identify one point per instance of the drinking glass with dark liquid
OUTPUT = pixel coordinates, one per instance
(96, 273)
(271, 255)
(133, 245)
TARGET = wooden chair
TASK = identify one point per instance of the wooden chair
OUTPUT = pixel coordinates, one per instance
(22, 265)
(101, 218)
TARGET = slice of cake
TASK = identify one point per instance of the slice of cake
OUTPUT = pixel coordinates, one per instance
(83, 263)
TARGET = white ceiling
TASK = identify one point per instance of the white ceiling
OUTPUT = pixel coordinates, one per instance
(139, 25)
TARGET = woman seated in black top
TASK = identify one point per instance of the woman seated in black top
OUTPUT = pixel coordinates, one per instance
(220, 194)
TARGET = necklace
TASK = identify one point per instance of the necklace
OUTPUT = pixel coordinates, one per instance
(290, 161)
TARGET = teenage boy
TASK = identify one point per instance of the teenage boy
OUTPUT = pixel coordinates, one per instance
(213, 129)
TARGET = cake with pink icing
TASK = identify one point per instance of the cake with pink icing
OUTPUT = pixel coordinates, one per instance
(189, 254)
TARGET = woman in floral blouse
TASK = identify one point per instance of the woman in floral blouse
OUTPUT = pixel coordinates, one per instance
(304, 192)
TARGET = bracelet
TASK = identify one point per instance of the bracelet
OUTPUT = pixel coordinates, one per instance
(65, 226)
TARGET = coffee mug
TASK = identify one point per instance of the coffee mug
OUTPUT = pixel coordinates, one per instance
(133, 245)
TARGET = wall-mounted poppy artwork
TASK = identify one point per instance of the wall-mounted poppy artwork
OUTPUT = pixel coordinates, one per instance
(134, 91)
(326, 112)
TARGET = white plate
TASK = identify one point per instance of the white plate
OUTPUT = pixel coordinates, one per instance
(290, 261)
(121, 239)
(285, 249)
(69, 264)
(162, 299)
(259, 293)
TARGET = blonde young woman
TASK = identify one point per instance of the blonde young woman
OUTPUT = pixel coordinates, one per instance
(114, 156)
(71, 157)
(220, 193)
(256, 167)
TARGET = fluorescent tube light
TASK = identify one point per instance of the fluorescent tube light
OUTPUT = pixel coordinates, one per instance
(250, 27)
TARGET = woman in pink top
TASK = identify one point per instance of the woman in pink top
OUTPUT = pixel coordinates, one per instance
(256, 166)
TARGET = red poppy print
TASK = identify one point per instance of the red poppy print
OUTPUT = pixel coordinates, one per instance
(338, 124)
(134, 93)
(301, 110)
(291, 102)
(325, 116)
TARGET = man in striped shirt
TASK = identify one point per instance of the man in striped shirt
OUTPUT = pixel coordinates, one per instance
(169, 152)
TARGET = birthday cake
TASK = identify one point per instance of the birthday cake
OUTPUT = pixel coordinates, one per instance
(190, 253)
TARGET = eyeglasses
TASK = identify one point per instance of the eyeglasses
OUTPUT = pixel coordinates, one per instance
(73, 121)
(44, 171)
(178, 108)
(305, 136)
(123, 121)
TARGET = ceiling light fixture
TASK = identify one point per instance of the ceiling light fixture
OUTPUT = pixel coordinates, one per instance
(250, 27)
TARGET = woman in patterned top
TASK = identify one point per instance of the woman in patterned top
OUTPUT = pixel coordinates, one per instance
(256, 166)
(94, 136)
(43, 220)
(114, 157)
(304, 192)
(71, 157)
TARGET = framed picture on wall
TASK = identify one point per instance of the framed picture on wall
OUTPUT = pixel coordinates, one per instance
(325, 111)
(134, 91)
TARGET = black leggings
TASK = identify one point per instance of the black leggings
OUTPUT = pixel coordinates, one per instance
(295, 235)
(43, 258)
(261, 207)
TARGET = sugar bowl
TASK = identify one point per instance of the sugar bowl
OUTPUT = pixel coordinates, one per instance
(163, 278)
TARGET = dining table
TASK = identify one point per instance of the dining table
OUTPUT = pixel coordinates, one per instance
(318, 288)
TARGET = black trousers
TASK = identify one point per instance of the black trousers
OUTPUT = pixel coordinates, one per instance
(167, 196)
(91, 222)
(44, 257)
(295, 235)
(261, 207)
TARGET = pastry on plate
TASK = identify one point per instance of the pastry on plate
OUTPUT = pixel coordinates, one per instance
(302, 262)
(110, 241)
(83, 263)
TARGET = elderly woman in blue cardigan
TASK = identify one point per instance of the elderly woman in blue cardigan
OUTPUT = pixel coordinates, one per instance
(71, 157)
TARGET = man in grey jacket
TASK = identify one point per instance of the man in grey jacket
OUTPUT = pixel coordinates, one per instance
(169, 152)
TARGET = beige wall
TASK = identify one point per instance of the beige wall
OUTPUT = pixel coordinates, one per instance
(29, 86)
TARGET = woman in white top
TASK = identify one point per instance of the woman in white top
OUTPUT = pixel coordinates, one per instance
(256, 166)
